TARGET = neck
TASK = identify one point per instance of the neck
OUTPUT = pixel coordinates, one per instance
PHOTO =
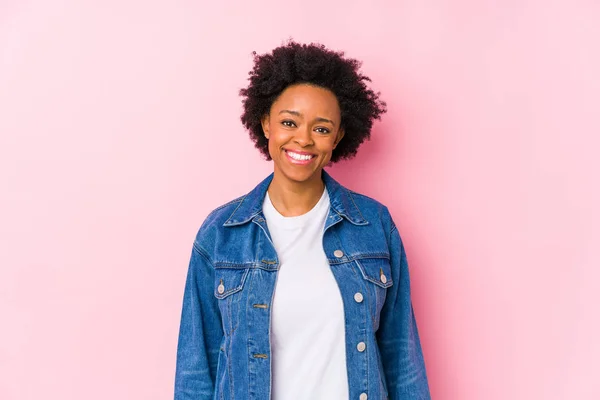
(292, 198)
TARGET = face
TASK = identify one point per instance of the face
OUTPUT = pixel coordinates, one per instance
(303, 128)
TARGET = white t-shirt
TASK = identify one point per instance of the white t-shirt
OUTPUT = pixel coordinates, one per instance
(308, 351)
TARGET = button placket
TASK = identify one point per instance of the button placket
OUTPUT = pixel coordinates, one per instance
(358, 297)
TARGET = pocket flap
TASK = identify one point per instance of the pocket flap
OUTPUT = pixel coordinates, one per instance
(376, 270)
(229, 281)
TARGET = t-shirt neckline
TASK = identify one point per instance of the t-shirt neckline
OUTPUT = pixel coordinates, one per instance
(295, 221)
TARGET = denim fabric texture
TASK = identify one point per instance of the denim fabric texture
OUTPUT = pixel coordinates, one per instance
(224, 339)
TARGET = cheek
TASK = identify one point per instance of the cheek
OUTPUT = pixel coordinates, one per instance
(328, 144)
(275, 142)
(272, 148)
(278, 138)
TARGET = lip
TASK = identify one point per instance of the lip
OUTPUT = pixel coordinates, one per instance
(299, 162)
(304, 153)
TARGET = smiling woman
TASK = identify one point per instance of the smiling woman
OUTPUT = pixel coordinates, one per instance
(302, 129)
(300, 289)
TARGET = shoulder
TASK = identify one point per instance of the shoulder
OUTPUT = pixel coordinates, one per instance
(362, 200)
(215, 220)
(372, 209)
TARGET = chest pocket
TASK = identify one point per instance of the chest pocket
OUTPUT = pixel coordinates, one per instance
(377, 274)
(229, 281)
(228, 289)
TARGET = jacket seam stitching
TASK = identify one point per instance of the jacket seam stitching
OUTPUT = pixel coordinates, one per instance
(238, 206)
(203, 253)
(357, 209)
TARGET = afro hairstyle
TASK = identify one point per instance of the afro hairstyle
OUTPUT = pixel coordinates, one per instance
(313, 64)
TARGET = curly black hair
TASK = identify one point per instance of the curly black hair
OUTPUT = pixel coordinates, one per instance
(313, 64)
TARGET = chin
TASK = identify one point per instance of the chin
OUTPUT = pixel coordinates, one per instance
(299, 176)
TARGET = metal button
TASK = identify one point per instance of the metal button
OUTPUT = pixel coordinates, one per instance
(363, 396)
(358, 297)
(382, 276)
(338, 253)
(221, 288)
(361, 346)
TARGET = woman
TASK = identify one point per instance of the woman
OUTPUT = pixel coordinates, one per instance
(300, 288)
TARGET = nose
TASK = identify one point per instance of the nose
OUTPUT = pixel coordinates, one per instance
(304, 137)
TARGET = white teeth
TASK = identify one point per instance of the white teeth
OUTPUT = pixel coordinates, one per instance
(299, 157)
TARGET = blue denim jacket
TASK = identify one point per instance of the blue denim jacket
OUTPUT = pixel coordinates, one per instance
(224, 341)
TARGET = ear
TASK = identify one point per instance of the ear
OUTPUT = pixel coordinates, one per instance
(265, 125)
(339, 137)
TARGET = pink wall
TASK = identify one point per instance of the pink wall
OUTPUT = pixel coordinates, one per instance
(120, 130)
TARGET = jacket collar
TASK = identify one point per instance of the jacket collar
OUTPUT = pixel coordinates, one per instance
(340, 198)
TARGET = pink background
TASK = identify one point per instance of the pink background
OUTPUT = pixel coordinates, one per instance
(120, 131)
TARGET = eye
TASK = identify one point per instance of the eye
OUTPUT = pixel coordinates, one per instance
(288, 123)
(322, 130)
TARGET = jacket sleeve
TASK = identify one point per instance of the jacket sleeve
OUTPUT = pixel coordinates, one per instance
(200, 332)
(397, 336)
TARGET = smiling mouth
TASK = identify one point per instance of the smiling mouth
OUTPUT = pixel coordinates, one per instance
(298, 158)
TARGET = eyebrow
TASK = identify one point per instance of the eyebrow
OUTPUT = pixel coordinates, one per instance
(296, 113)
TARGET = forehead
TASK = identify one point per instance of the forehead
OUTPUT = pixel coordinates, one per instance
(307, 99)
